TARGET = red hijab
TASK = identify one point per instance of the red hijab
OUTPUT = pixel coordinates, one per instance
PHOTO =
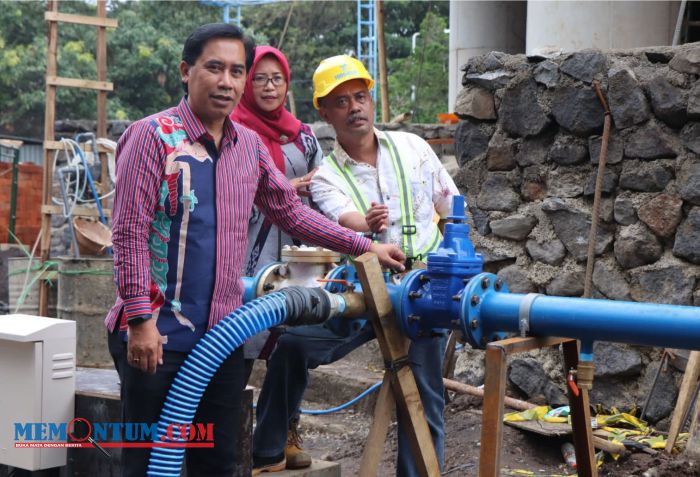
(275, 127)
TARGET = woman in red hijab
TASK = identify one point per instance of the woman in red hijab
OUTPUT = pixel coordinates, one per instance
(292, 145)
(296, 151)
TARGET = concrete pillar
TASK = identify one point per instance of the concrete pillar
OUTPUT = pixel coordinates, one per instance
(604, 25)
(478, 27)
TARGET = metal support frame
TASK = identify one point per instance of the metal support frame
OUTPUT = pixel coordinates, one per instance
(494, 397)
(226, 5)
(367, 38)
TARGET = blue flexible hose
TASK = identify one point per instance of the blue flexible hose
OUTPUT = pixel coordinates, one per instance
(364, 393)
(198, 369)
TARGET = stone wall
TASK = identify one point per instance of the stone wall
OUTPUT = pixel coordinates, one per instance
(528, 145)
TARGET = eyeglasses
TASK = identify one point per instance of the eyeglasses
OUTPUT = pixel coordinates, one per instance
(261, 81)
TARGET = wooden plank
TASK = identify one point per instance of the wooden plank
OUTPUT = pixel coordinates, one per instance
(101, 56)
(11, 144)
(543, 428)
(78, 211)
(47, 177)
(560, 429)
(415, 424)
(692, 447)
(519, 405)
(392, 343)
(79, 83)
(374, 446)
(519, 345)
(440, 141)
(81, 19)
(394, 347)
(580, 418)
(492, 419)
(450, 360)
(462, 388)
(86, 147)
(685, 396)
(448, 365)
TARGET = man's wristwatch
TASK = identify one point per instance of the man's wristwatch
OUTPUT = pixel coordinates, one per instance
(370, 235)
(138, 319)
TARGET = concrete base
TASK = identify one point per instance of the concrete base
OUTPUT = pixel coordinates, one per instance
(97, 400)
(319, 468)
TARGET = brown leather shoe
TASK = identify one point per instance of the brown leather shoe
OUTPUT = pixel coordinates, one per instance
(295, 455)
(268, 464)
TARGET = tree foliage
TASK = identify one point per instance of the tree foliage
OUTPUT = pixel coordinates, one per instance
(23, 62)
(144, 53)
(424, 73)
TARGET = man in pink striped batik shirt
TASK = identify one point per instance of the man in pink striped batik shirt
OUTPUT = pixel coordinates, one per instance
(187, 179)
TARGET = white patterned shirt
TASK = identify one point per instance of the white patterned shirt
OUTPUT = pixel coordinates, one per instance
(432, 187)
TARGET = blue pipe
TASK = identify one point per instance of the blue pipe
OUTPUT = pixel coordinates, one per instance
(199, 367)
(250, 284)
(588, 320)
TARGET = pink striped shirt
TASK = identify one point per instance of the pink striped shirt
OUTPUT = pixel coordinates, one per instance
(244, 175)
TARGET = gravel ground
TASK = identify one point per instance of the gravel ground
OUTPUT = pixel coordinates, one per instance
(340, 437)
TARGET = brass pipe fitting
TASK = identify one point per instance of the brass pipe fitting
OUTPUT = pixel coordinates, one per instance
(354, 304)
(584, 374)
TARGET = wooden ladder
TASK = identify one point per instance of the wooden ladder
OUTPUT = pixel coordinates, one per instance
(102, 86)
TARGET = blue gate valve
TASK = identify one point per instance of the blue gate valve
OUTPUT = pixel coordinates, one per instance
(429, 300)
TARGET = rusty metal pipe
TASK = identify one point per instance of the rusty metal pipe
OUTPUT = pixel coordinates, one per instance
(602, 160)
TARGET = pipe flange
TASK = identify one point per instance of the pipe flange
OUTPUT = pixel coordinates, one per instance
(304, 254)
(341, 272)
(472, 326)
(409, 322)
(265, 278)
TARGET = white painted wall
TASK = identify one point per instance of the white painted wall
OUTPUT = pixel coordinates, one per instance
(577, 25)
(477, 27)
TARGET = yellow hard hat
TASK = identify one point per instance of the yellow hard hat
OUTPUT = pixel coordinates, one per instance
(337, 70)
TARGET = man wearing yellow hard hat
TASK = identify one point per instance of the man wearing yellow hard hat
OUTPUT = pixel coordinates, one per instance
(387, 185)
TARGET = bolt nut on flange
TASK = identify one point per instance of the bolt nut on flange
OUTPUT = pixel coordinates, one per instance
(414, 294)
(413, 318)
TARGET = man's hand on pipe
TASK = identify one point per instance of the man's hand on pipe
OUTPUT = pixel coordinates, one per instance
(389, 255)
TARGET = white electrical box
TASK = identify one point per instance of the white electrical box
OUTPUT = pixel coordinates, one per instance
(37, 393)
